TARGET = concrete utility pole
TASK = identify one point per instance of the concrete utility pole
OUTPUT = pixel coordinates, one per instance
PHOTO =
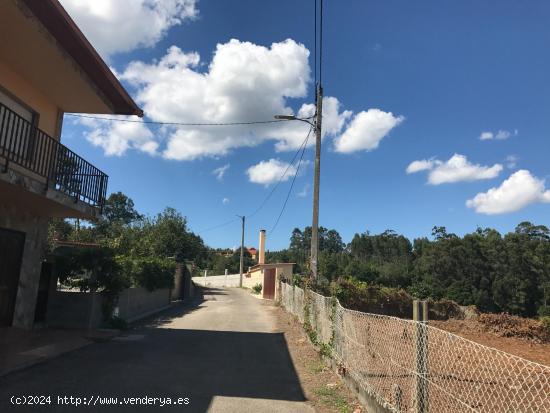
(316, 182)
(242, 252)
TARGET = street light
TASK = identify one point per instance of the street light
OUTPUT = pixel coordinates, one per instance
(316, 176)
(292, 117)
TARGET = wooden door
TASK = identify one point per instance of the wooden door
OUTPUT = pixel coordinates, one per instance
(269, 283)
(11, 253)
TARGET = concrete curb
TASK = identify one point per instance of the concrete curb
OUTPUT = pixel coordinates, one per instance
(150, 313)
(46, 353)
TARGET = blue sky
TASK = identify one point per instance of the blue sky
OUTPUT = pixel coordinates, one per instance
(421, 82)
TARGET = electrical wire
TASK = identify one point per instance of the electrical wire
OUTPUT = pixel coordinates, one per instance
(315, 46)
(218, 226)
(301, 148)
(291, 186)
(321, 44)
(150, 122)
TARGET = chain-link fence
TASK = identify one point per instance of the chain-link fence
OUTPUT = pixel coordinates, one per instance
(409, 366)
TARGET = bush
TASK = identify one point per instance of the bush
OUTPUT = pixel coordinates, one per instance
(257, 289)
(151, 273)
(92, 269)
(544, 311)
(118, 323)
(360, 296)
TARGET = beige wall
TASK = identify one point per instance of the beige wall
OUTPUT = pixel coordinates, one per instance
(32, 97)
(257, 275)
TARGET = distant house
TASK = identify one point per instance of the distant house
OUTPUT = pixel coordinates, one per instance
(253, 252)
(267, 274)
(47, 68)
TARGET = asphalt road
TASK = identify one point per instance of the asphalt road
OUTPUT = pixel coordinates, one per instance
(221, 352)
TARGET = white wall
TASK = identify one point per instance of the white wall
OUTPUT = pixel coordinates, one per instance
(230, 280)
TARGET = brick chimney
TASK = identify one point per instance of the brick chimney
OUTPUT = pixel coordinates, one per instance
(261, 252)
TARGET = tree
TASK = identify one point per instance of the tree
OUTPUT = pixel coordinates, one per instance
(167, 235)
(120, 208)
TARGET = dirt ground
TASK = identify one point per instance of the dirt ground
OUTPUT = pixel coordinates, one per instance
(321, 386)
(476, 331)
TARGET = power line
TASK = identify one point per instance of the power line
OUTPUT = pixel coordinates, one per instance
(321, 45)
(302, 146)
(300, 149)
(218, 226)
(150, 122)
(291, 185)
(315, 43)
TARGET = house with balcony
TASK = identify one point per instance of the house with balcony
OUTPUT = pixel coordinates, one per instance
(47, 68)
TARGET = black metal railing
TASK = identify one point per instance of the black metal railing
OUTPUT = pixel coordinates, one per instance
(24, 144)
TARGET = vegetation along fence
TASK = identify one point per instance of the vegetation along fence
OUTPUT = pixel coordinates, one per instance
(409, 366)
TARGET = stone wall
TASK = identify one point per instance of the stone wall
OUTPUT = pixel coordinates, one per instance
(36, 234)
(136, 303)
(73, 309)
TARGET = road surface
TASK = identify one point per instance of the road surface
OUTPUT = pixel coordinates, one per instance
(221, 352)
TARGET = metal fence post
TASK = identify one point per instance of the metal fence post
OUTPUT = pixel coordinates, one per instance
(420, 316)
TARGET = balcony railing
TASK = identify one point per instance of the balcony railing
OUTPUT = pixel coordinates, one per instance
(24, 144)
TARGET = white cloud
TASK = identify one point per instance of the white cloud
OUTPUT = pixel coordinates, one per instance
(421, 165)
(334, 120)
(518, 191)
(220, 172)
(114, 26)
(486, 136)
(511, 161)
(501, 134)
(243, 82)
(225, 201)
(366, 130)
(456, 169)
(115, 138)
(269, 172)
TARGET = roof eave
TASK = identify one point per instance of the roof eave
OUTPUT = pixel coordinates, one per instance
(61, 26)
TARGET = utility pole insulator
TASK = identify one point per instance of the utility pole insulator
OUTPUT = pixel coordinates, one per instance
(316, 182)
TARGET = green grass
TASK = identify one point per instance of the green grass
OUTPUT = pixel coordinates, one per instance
(316, 366)
(332, 397)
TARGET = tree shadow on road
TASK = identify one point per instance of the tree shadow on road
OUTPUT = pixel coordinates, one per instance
(165, 362)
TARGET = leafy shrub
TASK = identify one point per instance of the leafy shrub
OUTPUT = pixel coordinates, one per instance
(89, 269)
(151, 273)
(360, 296)
(544, 311)
(118, 323)
(92, 269)
(257, 289)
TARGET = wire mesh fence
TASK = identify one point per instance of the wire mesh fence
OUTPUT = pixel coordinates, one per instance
(408, 366)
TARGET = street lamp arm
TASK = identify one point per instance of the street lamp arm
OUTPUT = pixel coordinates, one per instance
(292, 117)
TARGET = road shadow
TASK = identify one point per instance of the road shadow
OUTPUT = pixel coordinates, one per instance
(166, 363)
